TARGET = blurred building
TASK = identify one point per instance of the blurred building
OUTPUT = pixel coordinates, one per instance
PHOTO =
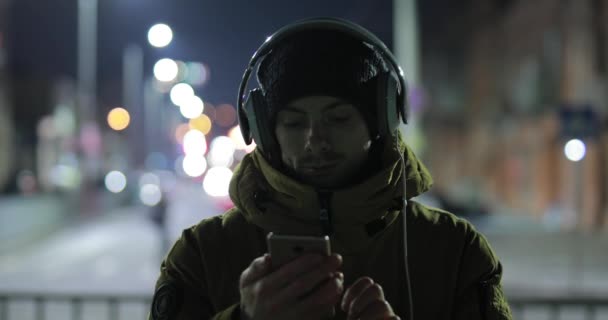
(6, 119)
(499, 74)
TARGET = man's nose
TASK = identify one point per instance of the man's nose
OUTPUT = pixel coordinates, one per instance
(318, 138)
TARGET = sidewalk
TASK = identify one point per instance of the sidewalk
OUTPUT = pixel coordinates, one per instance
(26, 220)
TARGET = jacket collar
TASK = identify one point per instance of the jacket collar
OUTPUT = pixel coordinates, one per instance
(279, 203)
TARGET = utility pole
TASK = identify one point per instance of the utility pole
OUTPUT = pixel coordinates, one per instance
(87, 60)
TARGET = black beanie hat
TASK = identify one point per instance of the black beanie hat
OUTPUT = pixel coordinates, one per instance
(322, 62)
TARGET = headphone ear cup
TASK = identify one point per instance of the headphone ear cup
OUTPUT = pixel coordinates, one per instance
(255, 107)
(388, 111)
(244, 124)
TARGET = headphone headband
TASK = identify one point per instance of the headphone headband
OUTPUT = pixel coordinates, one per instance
(335, 24)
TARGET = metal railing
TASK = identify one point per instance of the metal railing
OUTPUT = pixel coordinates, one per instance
(581, 307)
(588, 308)
(40, 303)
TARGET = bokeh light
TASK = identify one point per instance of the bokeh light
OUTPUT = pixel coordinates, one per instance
(575, 150)
(160, 35)
(65, 120)
(210, 111)
(182, 71)
(192, 108)
(65, 176)
(195, 143)
(181, 93)
(115, 181)
(165, 70)
(181, 131)
(197, 73)
(237, 138)
(46, 128)
(194, 165)
(119, 119)
(150, 194)
(225, 115)
(217, 181)
(221, 152)
(149, 178)
(26, 182)
(201, 123)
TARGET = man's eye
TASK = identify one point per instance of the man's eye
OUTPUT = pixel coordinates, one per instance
(339, 119)
(293, 124)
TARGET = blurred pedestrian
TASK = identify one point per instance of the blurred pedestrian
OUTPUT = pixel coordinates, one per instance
(158, 215)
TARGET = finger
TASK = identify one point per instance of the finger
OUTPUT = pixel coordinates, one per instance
(378, 309)
(304, 264)
(307, 282)
(360, 303)
(324, 298)
(258, 268)
(354, 291)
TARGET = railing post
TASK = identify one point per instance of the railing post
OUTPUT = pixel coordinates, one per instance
(39, 301)
(554, 311)
(113, 309)
(3, 308)
(590, 312)
(76, 309)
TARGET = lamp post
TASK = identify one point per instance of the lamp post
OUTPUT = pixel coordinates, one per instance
(87, 60)
(134, 88)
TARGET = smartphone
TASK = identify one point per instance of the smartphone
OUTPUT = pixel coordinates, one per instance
(285, 248)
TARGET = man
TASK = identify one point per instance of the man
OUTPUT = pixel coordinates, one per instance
(329, 166)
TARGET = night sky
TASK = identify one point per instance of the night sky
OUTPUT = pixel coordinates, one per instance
(222, 34)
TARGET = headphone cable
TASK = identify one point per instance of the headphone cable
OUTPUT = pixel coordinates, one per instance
(410, 309)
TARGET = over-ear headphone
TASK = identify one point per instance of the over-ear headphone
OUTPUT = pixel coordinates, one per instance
(392, 107)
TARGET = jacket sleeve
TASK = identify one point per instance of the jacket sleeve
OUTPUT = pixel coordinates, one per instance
(181, 289)
(479, 294)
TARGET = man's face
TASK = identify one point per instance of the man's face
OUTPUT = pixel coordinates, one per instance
(324, 140)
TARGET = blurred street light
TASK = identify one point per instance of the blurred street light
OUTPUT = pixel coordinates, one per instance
(221, 152)
(575, 150)
(217, 181)
(115, 181)
(165, 70)
(201, 123)
(181, 93)
(160, 35)
(195, 143)
(119, 119)
(150, 194)
(192, 108)
(194, 165)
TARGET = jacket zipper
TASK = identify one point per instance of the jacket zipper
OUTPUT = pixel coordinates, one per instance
(325, 213)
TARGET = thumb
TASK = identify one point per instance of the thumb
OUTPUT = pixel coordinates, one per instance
(256, 270)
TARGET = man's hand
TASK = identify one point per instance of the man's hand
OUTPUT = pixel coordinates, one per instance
(365, 300)
(306, 288)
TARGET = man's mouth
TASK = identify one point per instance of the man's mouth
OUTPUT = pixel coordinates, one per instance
(318, 169)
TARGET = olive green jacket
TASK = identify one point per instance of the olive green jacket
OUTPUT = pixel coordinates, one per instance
(454, 272)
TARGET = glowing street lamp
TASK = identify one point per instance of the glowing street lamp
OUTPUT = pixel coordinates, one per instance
(119, 119)
(575, 150)
(181, 93)
(165, 70)
(160, 35)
